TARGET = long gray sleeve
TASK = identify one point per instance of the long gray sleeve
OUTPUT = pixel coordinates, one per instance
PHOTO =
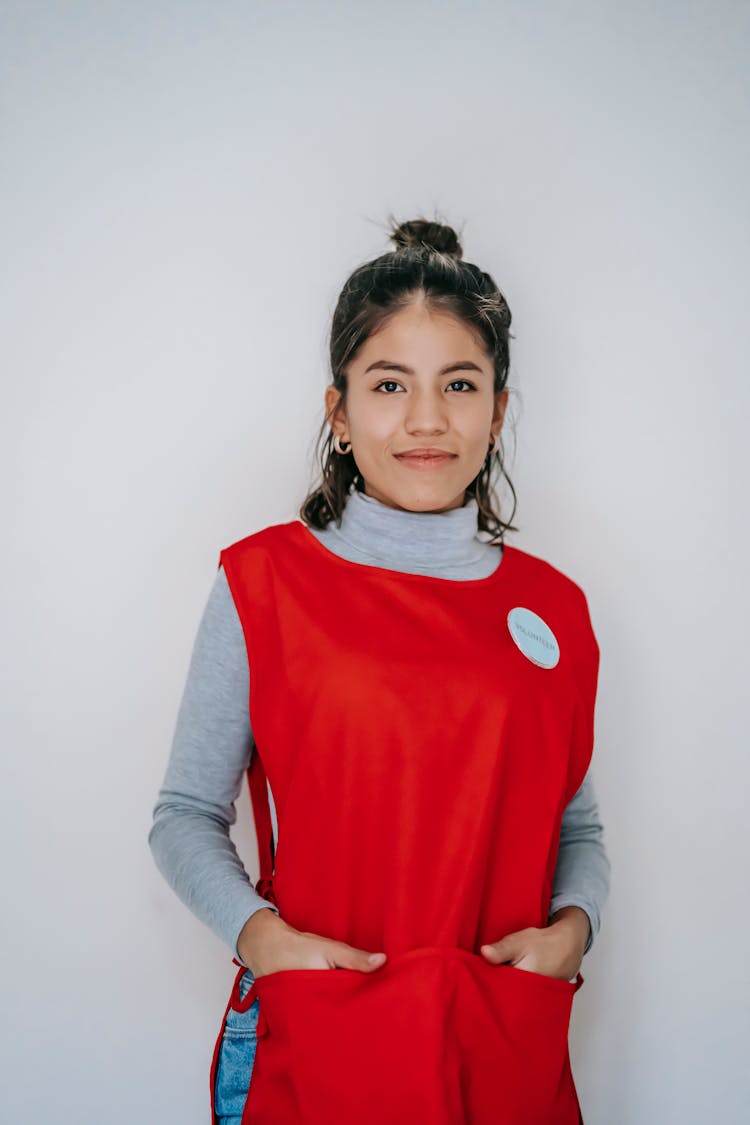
(210, 753)
(211, 750)
(582, 874)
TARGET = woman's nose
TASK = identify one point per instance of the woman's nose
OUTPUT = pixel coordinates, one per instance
(425, 413)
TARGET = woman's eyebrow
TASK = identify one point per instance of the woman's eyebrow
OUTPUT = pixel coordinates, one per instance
(386, 365)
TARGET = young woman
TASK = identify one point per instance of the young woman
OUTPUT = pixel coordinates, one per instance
(421, 717)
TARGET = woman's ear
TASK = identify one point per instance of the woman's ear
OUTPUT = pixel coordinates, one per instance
(334, 410)
(501, 401)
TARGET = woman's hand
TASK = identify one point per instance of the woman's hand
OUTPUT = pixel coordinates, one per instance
(555, 951)
(268, 943)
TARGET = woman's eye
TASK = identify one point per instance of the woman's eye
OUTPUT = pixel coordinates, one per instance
(393, 383)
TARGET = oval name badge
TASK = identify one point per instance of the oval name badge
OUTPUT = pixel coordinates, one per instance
(534, 637)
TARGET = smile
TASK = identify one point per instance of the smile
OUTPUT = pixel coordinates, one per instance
(425, 460)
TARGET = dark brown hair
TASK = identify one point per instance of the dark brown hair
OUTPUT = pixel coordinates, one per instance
(428, 260)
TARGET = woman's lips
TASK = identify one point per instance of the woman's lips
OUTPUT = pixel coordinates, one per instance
(425, 460)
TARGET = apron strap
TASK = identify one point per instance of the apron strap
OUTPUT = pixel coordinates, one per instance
(241, 1004)
(256, 779)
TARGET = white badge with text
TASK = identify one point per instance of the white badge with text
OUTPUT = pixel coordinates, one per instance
(534, 637)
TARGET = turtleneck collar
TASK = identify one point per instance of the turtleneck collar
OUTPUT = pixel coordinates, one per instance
(444, 543)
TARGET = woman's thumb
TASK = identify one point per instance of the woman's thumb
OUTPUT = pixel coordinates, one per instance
(350, 957)
(498, 951)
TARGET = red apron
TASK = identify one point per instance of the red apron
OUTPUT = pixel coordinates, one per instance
(420, 765)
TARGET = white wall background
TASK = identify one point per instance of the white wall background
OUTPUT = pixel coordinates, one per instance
(185, 187)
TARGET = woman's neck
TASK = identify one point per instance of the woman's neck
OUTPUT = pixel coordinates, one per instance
(443, 544)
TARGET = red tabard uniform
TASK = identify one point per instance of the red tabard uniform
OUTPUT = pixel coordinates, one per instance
(420, 765)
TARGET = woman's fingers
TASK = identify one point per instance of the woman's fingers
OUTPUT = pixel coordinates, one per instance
(349, 957)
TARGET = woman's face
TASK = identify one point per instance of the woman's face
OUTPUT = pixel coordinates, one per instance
(401, 398)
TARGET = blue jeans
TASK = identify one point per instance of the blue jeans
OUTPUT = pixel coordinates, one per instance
(234, 1065)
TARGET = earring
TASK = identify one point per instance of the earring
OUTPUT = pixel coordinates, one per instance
(337, 445)
(491, 448)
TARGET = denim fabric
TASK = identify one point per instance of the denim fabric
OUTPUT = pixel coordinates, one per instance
(236, 1056)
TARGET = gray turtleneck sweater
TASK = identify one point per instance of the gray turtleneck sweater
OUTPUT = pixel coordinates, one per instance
(213, 743)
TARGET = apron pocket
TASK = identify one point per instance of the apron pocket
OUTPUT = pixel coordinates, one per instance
(514, 1036)
(436, 1034)
(342, 1046)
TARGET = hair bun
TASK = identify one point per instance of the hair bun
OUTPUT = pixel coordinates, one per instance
(421, 234)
